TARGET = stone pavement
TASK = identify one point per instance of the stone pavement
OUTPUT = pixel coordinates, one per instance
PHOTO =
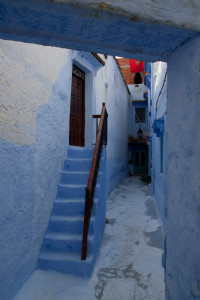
(129, 262)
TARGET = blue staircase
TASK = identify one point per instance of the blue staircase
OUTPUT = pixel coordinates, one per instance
(62, 244)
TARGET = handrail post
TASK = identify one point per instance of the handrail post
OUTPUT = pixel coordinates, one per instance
(101, 139)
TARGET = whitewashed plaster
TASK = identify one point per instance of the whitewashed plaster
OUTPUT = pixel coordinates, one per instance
(137, 94)
(26, 81)
(35, 110)
(111, 89)
(158, 109)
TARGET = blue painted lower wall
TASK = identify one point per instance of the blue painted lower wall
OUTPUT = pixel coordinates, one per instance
(36, 91)
(30, 170)
(182, 173)
(16, 206)
(100, 208)
(117, 172)
(62, 245)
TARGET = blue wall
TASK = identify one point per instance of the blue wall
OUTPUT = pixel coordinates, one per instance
(36, 88)
(137, 126)
(100, 207)
(29, 176)
(182, 173)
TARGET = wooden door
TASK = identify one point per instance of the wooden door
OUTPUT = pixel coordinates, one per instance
(77, 109)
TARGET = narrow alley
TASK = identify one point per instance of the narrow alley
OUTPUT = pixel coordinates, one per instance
(129, 262)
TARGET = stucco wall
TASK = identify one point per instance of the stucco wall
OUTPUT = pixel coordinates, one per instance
(158, 110)
(148, 31)
(111, 90)
(34, 135)
(182, 173)
(35, 95)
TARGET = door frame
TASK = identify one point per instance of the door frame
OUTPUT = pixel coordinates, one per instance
(76, 71)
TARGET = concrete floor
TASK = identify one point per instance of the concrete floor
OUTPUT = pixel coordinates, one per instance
(129, 263)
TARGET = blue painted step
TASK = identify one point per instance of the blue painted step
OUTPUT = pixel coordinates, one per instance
(73, 191)
(70, 207)
(68, 263)
(77, 177)
(79, 152)
(62, 244)
(68, 224)
(77, 164)
(74, 177)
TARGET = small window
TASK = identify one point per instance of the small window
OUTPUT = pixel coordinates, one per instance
(137, 161)
(143, 160)
(137, 78)
(139, 115)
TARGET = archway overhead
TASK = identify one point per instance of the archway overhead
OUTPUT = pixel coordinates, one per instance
(147, 31)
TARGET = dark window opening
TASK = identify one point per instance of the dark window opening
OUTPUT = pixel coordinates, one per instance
(143, 159)
(137, 159)
(139, 115)
(137, 78)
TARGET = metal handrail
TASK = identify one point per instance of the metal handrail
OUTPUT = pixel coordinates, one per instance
(101, 140)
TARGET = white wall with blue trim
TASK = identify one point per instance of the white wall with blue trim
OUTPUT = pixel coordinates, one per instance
(34, 134)
(158, 115)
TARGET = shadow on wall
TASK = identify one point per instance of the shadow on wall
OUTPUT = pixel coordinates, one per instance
(28, 182)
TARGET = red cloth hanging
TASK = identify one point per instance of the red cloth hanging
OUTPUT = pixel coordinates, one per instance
(136, 66)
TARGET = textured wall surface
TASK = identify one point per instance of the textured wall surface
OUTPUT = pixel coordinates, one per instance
(148, 31)
(34, 134)
(111, 90)
(158, 110)
(179, 14)
(182, 173)
(35, 94)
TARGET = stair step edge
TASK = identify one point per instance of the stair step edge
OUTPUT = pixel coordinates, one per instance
(64, 200)
(60, 256)
(71, 185)
(66, 218)
(65, 236)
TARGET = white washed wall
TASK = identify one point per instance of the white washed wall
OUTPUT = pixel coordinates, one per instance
(111, 89)
(159, 107)
(34, 134)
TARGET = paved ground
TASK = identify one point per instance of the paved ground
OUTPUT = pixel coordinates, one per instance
(129, 263)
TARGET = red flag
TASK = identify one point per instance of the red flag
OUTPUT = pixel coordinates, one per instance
(136, 66)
